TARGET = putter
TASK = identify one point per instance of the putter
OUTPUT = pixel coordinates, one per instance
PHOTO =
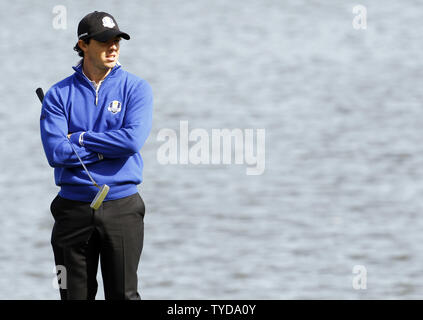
(104, 189)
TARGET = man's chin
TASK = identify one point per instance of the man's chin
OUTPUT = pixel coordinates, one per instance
(110, 64)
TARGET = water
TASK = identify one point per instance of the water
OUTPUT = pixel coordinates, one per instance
(341, 109)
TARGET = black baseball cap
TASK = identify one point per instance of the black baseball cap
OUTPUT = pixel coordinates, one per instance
(100, 26)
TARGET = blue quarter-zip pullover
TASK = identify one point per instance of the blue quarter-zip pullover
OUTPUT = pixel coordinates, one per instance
(109, 126)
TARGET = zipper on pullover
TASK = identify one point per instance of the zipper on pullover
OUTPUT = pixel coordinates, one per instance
(94, 85)
(97, 88)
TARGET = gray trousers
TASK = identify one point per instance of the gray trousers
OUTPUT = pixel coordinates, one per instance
(112, 234)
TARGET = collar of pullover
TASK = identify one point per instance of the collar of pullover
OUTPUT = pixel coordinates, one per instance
(78, 69)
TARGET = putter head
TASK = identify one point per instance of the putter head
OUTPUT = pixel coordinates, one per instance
(101, 194)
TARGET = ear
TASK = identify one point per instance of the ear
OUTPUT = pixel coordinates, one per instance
(83, 45)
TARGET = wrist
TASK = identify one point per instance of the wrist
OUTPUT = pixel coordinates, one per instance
(81, 139)
(75, 138)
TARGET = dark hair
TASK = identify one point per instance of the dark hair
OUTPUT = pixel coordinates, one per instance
(79, 50)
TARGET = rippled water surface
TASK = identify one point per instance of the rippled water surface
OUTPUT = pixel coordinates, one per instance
(343, 183)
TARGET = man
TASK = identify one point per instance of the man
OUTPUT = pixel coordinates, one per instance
(106, 114)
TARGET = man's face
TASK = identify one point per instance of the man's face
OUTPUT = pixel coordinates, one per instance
(102, 55)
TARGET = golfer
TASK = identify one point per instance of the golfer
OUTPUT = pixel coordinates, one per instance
(106, 114)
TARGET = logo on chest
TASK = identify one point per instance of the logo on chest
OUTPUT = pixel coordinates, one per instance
(114, 106)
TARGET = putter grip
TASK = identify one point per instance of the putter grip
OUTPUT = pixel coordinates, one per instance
(40, 94)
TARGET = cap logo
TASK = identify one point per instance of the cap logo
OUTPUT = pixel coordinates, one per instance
(114, 107)
(108, 22)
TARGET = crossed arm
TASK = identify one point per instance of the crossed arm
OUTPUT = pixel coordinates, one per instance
(122, 142)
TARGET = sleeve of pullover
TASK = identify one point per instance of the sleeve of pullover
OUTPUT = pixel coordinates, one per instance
(54, 130)
(136, 127)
